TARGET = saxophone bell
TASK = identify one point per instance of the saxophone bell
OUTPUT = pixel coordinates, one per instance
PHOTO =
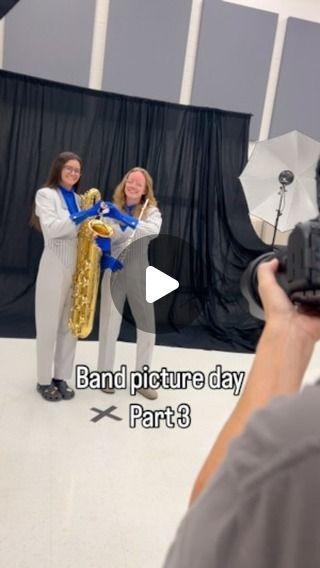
(100, 229)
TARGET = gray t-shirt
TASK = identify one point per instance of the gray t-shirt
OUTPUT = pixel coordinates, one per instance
(262, 508)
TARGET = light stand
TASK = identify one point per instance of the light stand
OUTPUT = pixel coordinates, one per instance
(285, 178)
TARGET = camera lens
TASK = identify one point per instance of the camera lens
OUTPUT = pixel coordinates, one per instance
(249, 285)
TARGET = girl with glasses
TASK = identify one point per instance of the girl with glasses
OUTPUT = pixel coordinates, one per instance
(57, 206)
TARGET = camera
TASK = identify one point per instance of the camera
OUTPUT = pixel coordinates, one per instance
(298, 272)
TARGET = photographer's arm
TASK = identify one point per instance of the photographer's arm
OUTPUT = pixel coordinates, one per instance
(282, 356)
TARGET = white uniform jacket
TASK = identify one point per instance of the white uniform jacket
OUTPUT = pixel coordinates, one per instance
(59, 232)
(149, 227)
(55, 344)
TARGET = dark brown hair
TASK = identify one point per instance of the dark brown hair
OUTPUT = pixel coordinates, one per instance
(54, 178)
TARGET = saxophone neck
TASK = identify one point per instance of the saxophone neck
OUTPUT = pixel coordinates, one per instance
(90, 197)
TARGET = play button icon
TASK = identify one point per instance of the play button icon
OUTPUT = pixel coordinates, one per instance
(141, 291)
(158, 284)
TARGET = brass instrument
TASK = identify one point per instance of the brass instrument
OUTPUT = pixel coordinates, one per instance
(87, 273)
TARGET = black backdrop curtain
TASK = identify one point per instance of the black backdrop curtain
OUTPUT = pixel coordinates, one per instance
(195, 156)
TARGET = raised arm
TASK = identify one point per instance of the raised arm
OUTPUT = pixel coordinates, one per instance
(282, 356)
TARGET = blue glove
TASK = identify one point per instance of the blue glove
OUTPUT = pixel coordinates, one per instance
(104, 244)
(125, 220)
(81, 216)
(123, 227)
(108, 261)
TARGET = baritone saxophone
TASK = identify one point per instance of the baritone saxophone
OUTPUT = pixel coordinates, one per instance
(87, 273)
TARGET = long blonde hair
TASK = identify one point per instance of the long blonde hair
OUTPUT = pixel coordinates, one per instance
(119, 197)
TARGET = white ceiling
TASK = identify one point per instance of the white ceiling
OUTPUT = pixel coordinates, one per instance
(303, 9)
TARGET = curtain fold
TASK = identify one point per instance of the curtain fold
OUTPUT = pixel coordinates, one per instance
(194, 155)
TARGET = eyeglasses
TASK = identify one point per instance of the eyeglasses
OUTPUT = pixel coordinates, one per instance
(72, 170)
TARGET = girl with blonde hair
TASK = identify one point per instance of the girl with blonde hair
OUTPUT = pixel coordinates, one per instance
(134, 195)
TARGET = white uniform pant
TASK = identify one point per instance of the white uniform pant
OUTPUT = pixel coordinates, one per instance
(55, 344)
(132, 287)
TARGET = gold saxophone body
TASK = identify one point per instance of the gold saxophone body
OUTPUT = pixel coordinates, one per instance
(87, 273)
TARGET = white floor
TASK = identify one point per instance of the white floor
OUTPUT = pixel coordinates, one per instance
(77, 493)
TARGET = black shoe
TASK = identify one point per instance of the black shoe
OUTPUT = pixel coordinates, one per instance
(65, 391)
(49, 392)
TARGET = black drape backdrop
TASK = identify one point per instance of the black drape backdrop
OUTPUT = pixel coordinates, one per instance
(195, 156)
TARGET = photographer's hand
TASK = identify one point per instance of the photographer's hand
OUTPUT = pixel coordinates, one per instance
(280, 313)
(282, 356)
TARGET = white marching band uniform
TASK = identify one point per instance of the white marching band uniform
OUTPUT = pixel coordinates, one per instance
(130, 283)
(54, 287)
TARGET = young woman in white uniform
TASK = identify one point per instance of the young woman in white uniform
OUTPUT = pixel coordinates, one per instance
(130, 196)
(57, 206)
